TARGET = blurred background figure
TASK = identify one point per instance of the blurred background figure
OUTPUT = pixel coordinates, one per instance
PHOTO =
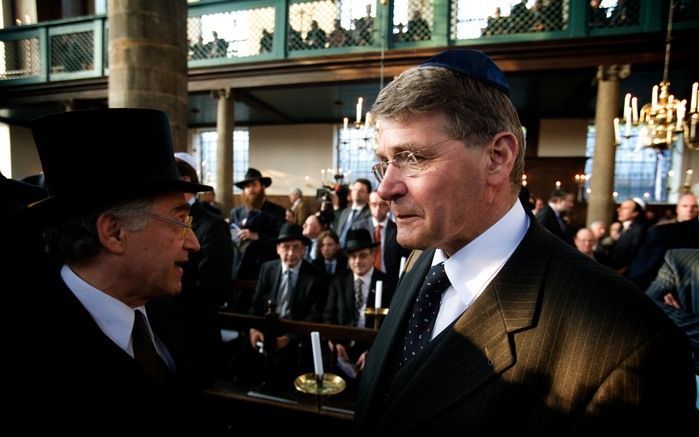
(585, 241)
(297, 206)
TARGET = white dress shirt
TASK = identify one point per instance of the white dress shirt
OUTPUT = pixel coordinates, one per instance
(474, 266)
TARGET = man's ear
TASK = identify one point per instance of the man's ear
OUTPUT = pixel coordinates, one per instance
(110, 232)
(503, 151)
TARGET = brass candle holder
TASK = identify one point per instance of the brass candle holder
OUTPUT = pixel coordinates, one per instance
(378, 313)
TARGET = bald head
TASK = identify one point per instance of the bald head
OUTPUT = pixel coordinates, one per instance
(585, 241)
(687, 208)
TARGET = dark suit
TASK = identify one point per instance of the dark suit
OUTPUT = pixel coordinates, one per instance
(76, 380)
(251, 254)
(340, 308)
(553, 340)
(626, 247)
(391, 251)
(306, 304)
(659, 239)
(679, 275)
(341, 219)
(340, 265)
(548, 219)
(307, 298)
(205, 284)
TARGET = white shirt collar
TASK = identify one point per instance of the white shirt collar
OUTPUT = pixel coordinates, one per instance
(473, 267)
(113, 316)
(376, 222)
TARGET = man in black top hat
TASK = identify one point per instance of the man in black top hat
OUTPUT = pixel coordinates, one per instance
(104, 324)
(295, 286)
(498, 326)
(254, 226)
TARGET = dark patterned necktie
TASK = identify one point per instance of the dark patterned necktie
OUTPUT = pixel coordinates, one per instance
(285, 299)
(425, 309)
(144, 350)
(357, 299)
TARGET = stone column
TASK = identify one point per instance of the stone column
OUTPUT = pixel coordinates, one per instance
(148, 59)
(224, 148)
(601, 202)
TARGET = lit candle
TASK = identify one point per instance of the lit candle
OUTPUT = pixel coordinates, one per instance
(317, 356)
(680, 115)
(558, 185)
(634, 110)
(359, 109)
(345, 123)
(379, 293)
(688, 177)
(617, 131)
(695, 95)
(627, 106)
(654, 98)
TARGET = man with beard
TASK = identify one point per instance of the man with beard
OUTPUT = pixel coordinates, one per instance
(254, 227)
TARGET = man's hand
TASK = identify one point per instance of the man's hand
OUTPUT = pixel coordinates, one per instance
(669, 299)
(256, 336)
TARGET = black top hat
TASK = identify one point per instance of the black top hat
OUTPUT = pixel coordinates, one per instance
(291, 231)
(15, 195)
(254, 174)
(358, 239)
(100, 156)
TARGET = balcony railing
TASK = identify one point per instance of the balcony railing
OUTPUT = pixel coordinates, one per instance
(233, 32)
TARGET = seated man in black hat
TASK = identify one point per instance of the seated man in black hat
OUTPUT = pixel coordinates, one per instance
(109, 334)
(295, 286)
(353, 292)
(254, 226)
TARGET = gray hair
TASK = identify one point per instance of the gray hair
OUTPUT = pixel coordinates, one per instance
(474, 111)
(75, 238)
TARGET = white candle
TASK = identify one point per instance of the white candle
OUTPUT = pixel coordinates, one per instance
(359, 109)
(688, 177)
(680, 115)
(634, 110)
(317, 356)
(627, 106)
(379, 294)
(695, 95)
(617, 132)
(654, 98)
(345, 123)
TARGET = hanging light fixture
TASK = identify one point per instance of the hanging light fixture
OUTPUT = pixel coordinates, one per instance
(660, 121)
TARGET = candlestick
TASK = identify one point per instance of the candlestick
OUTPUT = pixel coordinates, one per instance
(378, 295)
(317, 356)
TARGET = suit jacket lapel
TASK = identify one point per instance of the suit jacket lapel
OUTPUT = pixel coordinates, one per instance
(391, 335)
(477, 347)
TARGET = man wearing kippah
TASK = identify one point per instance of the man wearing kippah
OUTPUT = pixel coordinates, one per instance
(498, 327)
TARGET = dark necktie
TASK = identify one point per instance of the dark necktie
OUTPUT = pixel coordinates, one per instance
(377, 249)
(144, 350)
(425, 309)
(285, 295)
(358, 298)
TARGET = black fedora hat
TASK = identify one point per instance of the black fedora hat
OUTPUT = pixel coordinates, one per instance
(290, 232)
(116, 154)
(254, 174)
(358, 239)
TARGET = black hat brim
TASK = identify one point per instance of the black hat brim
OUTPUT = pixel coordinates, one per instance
(349, 248)
(265, 180)
(302, 239)
(103, 194)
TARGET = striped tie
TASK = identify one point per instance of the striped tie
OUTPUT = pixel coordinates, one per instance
(144, 350)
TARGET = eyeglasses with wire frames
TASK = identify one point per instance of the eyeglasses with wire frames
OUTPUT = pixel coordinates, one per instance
(407, 162)
(184, 225)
